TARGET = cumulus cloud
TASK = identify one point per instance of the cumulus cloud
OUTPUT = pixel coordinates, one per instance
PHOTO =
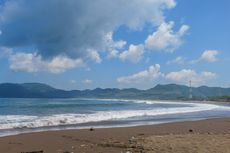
(113, 54)
(94, 55)
(209, 55)
(133, 54)
(165, 39)
(185, 75)
(73, 28)
(178, 60)
(111, 44)
(152, 73)
(31, 62)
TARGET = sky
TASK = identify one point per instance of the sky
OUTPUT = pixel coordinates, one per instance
(84, 44)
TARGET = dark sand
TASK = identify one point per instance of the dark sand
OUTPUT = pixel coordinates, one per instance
(206, 136)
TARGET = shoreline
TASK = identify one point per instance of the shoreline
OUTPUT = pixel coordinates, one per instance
(68, 127)
(18, 131)
(105, 140)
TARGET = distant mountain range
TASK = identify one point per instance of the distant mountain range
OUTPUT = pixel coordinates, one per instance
(162, 92)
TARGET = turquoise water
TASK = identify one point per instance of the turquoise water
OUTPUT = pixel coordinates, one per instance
(28, 115)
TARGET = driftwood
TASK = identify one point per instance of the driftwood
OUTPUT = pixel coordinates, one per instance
(41, 151)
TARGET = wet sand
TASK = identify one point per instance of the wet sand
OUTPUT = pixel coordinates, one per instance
(206, 136)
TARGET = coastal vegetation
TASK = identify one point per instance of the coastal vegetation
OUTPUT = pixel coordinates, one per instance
(159, 92)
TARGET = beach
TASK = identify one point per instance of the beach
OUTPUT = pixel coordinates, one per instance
(114, 76)
(210, 135)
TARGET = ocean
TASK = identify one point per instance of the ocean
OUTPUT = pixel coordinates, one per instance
(32, 115)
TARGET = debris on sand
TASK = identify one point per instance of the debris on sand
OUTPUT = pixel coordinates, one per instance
(41, 151)
(190, 130)
(91, 129)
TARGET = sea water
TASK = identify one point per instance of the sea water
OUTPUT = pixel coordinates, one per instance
(30, 115)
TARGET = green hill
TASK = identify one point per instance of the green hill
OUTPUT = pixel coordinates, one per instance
(162, 92)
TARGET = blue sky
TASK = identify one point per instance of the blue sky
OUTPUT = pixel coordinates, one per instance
(76, 44)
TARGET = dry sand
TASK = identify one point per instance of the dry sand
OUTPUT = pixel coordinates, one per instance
(207, 136)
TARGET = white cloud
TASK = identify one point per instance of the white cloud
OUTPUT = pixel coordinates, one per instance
(165, 38)
(31, 62)
(113, 54)
(111, 44)
(209, 55)
(94, 55)
(71, 28)
(133, 54)
(185, 75)
(87, 81)
(148, 77)
(178, 60)
(151, 74)
(79, 35)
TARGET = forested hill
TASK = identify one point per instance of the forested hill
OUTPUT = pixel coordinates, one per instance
(163, 92)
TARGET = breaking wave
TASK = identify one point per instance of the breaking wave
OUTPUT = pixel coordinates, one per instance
(30, 121)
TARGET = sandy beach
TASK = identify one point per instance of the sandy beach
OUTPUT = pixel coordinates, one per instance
(206, 136)
(114, 76)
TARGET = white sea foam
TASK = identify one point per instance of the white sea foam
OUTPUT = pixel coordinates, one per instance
(20, 121)
(145, 101)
